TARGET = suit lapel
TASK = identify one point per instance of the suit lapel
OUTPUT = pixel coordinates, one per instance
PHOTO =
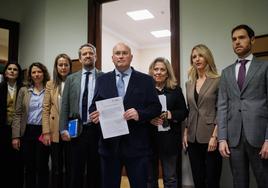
(191, 93)
(254, 66)
(232, 78)
(76, 84)
(98, 73)
(131, 84)
(203, 90)
(27, 99)
(113, 87)
(56, 98)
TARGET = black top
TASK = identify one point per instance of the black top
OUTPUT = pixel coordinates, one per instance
(166, 143)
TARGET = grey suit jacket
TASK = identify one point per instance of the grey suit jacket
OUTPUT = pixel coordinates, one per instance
(247, 108)
(71, 98)
(202, 114)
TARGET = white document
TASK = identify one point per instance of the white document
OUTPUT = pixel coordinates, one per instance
(163, 101)
(111, 117)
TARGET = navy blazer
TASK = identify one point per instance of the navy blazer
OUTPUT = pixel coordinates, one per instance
(142, 96)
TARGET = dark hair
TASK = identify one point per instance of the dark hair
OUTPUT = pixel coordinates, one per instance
(86, 45)
(57, 79)
(245, 27)
(19, 80)
(44, 70)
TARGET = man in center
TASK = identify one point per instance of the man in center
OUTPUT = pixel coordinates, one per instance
(141, 104)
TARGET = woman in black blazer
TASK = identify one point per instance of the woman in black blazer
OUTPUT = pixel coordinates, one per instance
(11, 171)
(166, 132)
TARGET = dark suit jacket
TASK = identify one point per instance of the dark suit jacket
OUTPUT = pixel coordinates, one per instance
(202, 114)
(248, 107)
(142, 96)
(71, 98)
(166, 142)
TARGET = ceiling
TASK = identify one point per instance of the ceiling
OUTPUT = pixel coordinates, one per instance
(137, 33)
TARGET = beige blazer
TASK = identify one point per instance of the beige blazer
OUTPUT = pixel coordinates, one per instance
(202, 114)
(50, 115)
(21, 113)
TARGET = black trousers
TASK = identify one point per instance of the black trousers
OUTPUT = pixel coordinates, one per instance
(206, 166)
(85, 159)
(136, 169)
(60, 159)
(35, 156)
(11, 161)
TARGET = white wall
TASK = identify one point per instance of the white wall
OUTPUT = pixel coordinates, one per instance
(109, 40)
(141, 57)
(47, 28)
(210, 22)
(32, 33)
(10, 12)
(147, 55)
(65, 28)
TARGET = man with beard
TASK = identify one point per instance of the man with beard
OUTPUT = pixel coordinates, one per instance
(77, 97)
(243, 112)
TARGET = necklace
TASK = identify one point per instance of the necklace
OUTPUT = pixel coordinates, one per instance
(11, 90)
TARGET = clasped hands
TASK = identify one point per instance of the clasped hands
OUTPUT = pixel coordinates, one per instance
(162, 119)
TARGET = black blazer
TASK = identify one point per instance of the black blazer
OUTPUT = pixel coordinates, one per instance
(166, 143)
(142, 96)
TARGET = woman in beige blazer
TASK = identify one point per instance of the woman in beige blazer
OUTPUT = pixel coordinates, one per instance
(200, 134)
(27, 128)
(50, 121)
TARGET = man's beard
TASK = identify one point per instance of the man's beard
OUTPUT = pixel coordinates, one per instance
(89, 65)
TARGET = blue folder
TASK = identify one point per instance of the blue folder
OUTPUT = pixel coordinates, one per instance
(73, 127)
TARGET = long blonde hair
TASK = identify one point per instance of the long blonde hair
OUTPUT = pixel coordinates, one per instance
(210, 69)
(171, 81)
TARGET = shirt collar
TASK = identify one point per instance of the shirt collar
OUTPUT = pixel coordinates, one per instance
(92, 71)
(249, 58)
(127, 72)
(32, 90)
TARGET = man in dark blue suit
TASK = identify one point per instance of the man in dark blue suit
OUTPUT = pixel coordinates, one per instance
(141, 104)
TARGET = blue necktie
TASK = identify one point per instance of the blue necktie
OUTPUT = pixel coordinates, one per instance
(121, 85)
(241, 73)
(85, 99)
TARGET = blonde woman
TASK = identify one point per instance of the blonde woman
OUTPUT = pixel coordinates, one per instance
(60, 150)
(166, 128)
(200, 134)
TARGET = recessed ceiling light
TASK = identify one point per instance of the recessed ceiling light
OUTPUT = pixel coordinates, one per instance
(140, 15)
(161, 33)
